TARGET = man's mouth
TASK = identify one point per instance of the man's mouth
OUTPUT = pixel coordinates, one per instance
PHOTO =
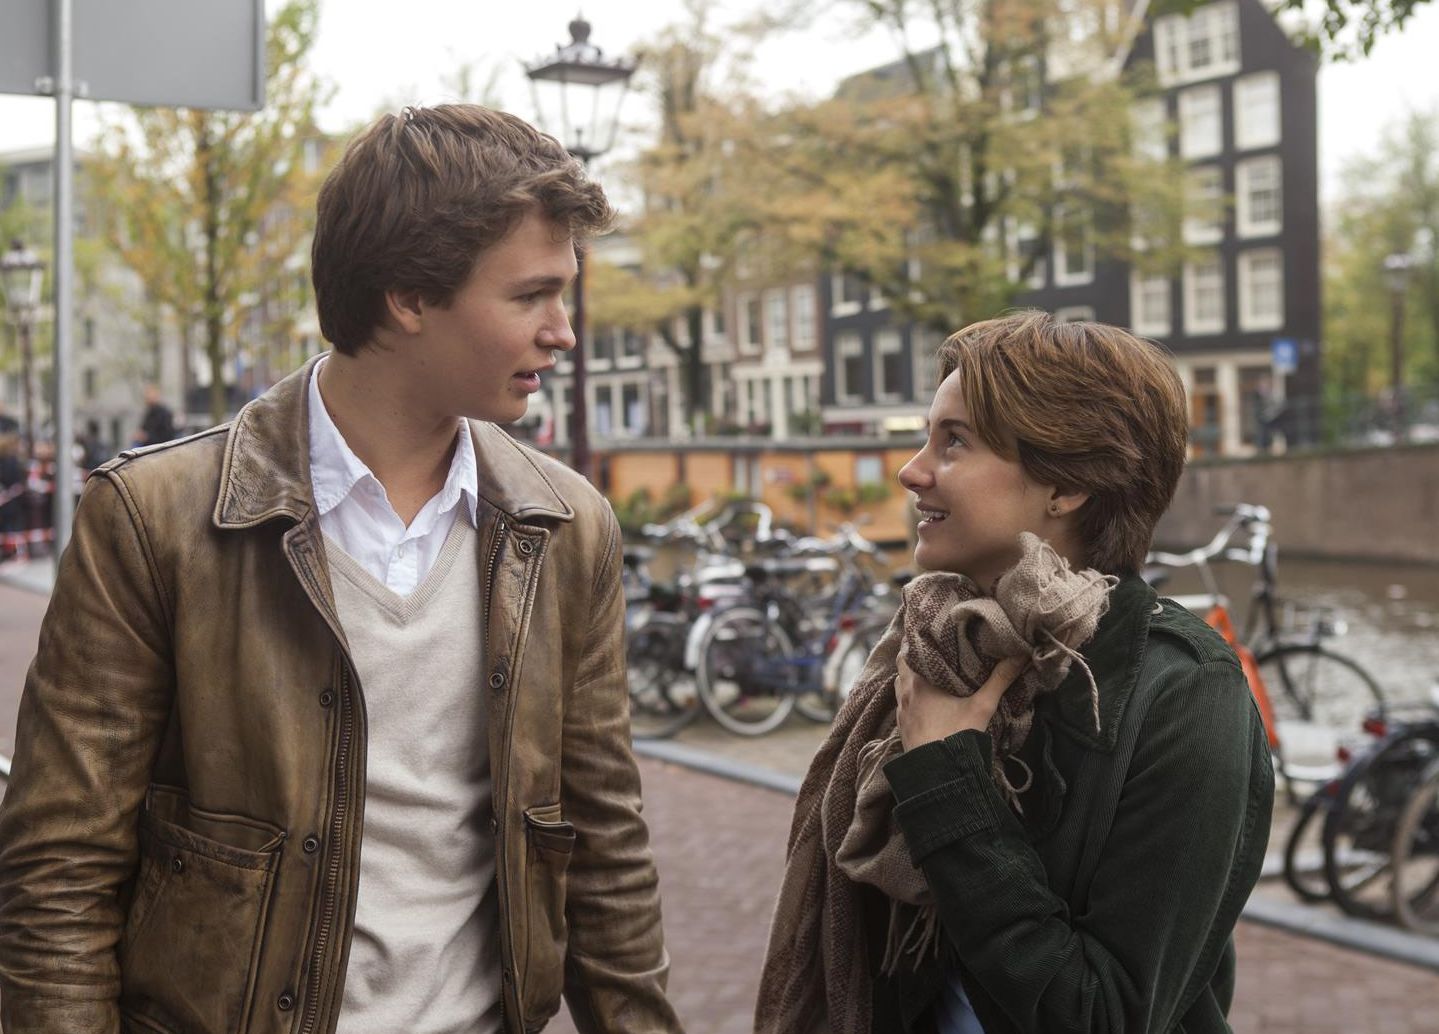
(929, 515)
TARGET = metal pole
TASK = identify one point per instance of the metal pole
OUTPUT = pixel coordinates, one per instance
(1396, 365)
(27, 376)
(579, 414)
(64, 275)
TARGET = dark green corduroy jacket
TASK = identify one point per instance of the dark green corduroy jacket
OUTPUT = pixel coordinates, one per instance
(1110, 904)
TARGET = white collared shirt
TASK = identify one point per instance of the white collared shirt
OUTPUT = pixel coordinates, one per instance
(355, 512)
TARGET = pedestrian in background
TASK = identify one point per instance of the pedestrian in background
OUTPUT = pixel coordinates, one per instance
(158, 422)
(329, 725)
(12, 494)
(1048, 796)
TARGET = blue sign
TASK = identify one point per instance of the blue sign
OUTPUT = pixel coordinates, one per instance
(1284, 354)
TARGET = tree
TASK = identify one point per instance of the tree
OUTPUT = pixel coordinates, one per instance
(697, 206)
(944, 179)
(1389, 206)
(208, 207)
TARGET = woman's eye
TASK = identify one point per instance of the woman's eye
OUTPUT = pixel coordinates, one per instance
(954, 440)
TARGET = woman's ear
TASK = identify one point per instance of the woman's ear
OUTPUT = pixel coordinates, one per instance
(1065, 501)
(404, 311)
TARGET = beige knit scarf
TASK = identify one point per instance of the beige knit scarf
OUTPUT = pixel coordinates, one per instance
(817, 974)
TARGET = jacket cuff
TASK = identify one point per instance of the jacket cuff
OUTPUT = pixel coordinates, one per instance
(942, 792)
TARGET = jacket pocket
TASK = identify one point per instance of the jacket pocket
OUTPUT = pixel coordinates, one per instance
(549, 843)
(193, 933)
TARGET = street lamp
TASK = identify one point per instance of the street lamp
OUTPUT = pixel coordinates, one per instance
(583, 95)
(1396, 273)
(23, 274)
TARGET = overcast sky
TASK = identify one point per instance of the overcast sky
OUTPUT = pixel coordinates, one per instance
(381, 51)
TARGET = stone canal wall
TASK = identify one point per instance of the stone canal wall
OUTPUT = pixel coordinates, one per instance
(1378, 505)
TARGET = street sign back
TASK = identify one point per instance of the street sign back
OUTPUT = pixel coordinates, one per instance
(170, 53)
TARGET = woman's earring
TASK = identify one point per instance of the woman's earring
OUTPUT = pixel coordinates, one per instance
(1054, 509)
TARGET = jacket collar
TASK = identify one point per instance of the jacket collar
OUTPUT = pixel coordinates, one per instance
(266, 471)
(1114, 656)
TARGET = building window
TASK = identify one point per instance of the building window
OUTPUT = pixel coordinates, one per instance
(1148, 125)
(602, 346)
(1073, 250)
(849, 374)
(1204, 205)
(1256, 110)
(603, 410)
(1026, 85)
(1201, 129)
(1206, 432)
(631, 347)
(1204, 296)
(632, 408)
(1150, 305)
(888, 366)
(89, 332)
(1261, 289)
(801, 301)
(1203, 45)
(869, 470)
(1031, 263)
(716, 321)
(1074, 314)
(848, 293)
(926, 363)
(776, 310)
(751, 329)
(1259, 190)
(90, 384)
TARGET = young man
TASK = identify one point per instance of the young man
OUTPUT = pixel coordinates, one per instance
(328, 727)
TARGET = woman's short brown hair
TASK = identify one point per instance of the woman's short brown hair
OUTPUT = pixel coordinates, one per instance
(419, 196)
(1085, 407)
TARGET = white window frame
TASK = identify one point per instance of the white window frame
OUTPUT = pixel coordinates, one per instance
(847, 345)
(1205, 187)
(924, 344)
(1149, 123)
(1191, 144)
(1245, 172)
(1142, 318)
(1063, 277)
(1074, 314)
(1251, 131)
(886, 342)
(802, 308)
(623, 360)
(1249, 319)
(1193, 323)
(840, 304)
(742, 304)
(776, 319)
(1176, 34)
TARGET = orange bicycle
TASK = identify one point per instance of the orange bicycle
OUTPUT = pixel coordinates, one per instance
(1311, 698)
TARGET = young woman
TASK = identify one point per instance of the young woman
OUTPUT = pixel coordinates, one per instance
(1088, 875)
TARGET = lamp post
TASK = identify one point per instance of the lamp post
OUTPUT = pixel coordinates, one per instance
(23, 274)
(583, 93)
(1396, 272)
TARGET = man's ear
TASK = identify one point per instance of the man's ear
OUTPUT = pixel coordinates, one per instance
(405, 310)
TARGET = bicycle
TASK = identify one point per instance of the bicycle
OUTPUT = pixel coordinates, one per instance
(1414, 855)
(1307, 694)
(762, 658)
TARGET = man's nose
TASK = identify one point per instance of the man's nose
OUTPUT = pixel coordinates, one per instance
(558, 333)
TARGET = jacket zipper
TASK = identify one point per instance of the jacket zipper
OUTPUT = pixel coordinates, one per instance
(331, 892)
(507, 953)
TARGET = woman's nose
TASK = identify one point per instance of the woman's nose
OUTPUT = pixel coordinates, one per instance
(914, 476)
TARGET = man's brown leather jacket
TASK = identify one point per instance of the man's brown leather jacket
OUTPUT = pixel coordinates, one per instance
(179, 850)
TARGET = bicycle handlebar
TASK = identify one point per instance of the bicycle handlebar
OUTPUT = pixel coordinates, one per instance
(1248, 517)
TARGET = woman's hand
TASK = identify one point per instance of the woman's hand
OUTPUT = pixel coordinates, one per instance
(927, 713)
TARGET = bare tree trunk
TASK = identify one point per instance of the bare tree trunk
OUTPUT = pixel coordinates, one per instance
(206, 157)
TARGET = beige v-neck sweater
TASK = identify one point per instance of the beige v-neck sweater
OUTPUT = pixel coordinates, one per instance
(425, 954)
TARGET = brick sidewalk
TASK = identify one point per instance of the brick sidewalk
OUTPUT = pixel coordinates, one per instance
(719, 848)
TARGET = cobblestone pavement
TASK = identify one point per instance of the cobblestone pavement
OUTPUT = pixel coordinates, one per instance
(719, 847)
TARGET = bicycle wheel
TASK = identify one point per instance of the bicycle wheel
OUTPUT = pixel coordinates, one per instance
(742, 675)
(1308, 683)
(1304, 849)
(1416, 857)
(1360, 826)
(663, 699)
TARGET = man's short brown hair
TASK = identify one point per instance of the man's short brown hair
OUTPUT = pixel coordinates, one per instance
(419, 196)
(1085, 407)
